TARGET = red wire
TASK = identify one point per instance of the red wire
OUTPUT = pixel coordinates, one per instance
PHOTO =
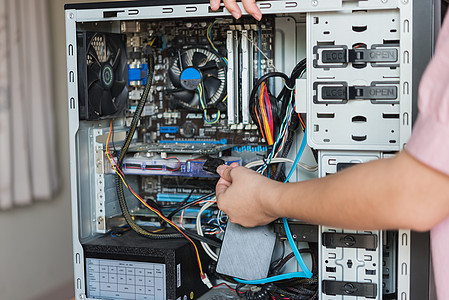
(269, 111)
(260, 125)
(224, 283)
(153, 209)
(196, 159)
(179, 163)
(302, 122)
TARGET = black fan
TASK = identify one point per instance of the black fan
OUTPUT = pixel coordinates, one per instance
(194, 67)
(107, 75)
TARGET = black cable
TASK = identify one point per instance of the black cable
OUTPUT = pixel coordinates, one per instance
(214, 242)
(303, 295)
(288, 144)
(273, 101)
(296, 72)
(277, 261)
(290, 256)
(119, 185)
(187, 198)
(238, 292)
(279, 105)
(163, 223)
(196, 201)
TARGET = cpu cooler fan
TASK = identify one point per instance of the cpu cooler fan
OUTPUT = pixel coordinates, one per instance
(194, 67)
(103, 75)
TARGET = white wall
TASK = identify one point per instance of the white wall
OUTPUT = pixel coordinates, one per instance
(35, 241)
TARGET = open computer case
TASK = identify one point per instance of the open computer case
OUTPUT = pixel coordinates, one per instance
(162, 92)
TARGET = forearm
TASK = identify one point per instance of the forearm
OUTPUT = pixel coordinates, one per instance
(384, 194)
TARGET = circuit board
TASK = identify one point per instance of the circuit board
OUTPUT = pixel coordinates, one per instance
(172, 114)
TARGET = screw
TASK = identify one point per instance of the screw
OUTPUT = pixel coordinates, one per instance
(71, 15)
(82, 296)
(384, 1)
(314, 2)
(294, 236)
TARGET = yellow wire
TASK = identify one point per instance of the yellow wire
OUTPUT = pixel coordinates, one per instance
(115, 167)
(210, 40)
(208, 36)
(264, 116)
(200, 91)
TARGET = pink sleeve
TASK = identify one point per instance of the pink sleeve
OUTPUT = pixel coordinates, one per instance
(430, 138)
(430, 144)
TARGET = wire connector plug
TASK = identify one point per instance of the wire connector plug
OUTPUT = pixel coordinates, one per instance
(212, 164)
(206, 280)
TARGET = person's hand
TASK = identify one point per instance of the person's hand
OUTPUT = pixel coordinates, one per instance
(247, 197)
(231, 5)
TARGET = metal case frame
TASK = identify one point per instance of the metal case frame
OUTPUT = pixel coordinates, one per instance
(79, 138)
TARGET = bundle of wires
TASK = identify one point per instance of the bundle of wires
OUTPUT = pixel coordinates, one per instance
(204, 108)
(209, 38)
(277, 123)
(120, 182)
(275, 116)
(265, 108)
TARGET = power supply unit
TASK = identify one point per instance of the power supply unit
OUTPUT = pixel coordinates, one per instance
(134, 267)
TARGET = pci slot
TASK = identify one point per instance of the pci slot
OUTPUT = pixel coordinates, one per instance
(252, 36)
(180, 197)
(246, 74)
(231, 80)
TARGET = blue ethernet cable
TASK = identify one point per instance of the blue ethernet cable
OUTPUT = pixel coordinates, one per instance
(306, 273)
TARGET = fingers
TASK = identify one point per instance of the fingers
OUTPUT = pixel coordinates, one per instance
(225, 171)
(231, 5)
(221, 186)
(251, 8)
(215, 4)
(233, 8)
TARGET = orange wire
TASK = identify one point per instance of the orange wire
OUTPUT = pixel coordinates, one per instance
(264, 115)
(260, 125)
(302, 122)
(265, 119)
(120, 173)
(179, 163)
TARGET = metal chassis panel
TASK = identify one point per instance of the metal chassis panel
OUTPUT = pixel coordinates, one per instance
(405, 86)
